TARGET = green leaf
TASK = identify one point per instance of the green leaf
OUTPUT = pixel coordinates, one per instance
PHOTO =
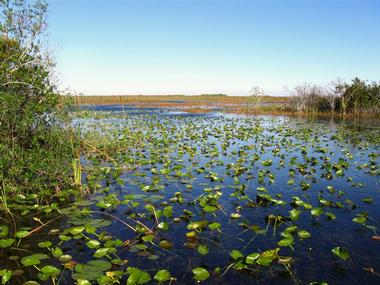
(341, 253)
(368, 200)
(164, 226)
(101, 252)
(148, 238)
(168, 211)
(92, 270)
(267, 162)
(101, 265)
(316, 212)
(165, 244)
(360, 219)
(83, 282)
(209, 208)
(93, 244)
(4, 231)
(6, 242)
(235, 254)
(57, 252)
(77, 230)
(162, 275)
(294, 214)
(65, 258)
(200, 274)
(203, 249)
(330, 216)
(33, 259)
(50, 270)
(45, 244)
(22, 234)
(235, 216)
(6, 276)
(264, 261)
(197, 225)
(214, 226)
(286, 241)
(304, 234)
(137, 276)
(251, 258)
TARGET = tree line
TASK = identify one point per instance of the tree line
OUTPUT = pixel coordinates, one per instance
(356, 97)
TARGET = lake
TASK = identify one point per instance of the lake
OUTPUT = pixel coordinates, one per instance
(223, 199)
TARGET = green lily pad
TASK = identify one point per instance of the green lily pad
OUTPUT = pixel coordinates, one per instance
(93, 244)
(341, 253)
(304, 234)
(162, 275)
(33, 259)
(200, 274)
(6, 242)
(203, 249)
(235, 254)
(251, 258)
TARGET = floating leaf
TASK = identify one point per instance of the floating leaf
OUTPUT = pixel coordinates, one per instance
(203, 249)
(235, 216)
(50, 270)
(214, 226)
(264, 261)
(165, 244)
(6, 276)
(137, 276)
(4, 231)
(33, 259)
(294, 214)
(45, 244)
(6, 242)
(304, 234)
(93, 244)
(235, 254)
(101, 252)
(162, 275)
(251, 258)
(200, 274)
(22, 234)
(341, 253)
(286, 242)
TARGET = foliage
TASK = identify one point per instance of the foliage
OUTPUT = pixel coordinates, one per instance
(356, 97)
(34, 149)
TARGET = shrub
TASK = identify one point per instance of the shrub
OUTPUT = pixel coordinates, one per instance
(35, 150)
(356, 97)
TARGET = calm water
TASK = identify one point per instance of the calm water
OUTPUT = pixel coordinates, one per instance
(222, 155)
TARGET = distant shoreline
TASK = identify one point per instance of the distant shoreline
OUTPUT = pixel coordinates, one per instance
(246, 105)
(173, 99)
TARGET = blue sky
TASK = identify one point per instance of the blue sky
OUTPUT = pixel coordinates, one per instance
(212, 46)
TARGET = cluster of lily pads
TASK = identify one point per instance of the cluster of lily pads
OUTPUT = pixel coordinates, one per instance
(168, 199)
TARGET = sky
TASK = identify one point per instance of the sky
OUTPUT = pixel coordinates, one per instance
(107, 47)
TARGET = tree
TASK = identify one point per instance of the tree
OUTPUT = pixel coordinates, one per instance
(34, 149)
(307, 97)
(255, 95)
(26, 88)
(334, 92)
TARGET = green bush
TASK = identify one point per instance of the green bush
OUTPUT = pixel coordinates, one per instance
(356, 97)
(35, 149)
(360, 96)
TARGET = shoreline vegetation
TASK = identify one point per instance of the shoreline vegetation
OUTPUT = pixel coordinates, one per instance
(357, 99)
